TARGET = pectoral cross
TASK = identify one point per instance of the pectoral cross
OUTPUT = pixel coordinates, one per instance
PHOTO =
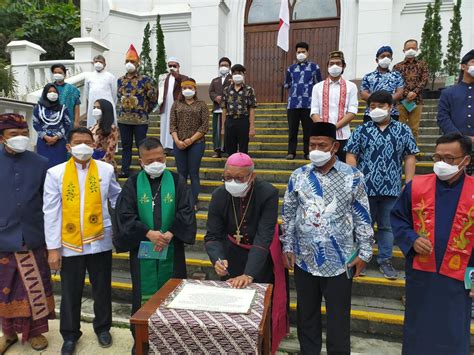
(238, 236)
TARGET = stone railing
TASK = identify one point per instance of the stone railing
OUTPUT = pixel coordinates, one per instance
(22, 108)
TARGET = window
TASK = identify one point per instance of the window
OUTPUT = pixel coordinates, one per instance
(262, 11)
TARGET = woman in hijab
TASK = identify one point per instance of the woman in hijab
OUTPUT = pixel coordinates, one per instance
(51, 121)
(105, 132)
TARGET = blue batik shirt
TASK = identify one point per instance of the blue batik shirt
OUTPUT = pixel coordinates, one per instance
(300, 79)
(380, 155)
(376, 81)
(322, 215)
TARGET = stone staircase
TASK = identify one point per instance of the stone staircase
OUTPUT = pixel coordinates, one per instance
(377, 307)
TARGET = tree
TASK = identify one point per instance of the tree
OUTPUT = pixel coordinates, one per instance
(160, 63)
(145, 58)
(8, 84)
(426, 33)
(453, 52)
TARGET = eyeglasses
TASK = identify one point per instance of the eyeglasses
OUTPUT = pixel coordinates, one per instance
(447, 159)
(172, 66)
(241, 179)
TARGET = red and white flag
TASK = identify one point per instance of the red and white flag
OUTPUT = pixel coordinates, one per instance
(283, 40)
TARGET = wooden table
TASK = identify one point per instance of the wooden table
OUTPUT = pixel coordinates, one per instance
(140, 318)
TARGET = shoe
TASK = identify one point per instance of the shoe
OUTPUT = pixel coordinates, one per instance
(388, 270)
(169, 152)
(39, 343)
(362, 272)
(290, 157)
(217, 155)
(6, 342)
(123, 175)
(68, 347)
(105, 339)
(306, 156)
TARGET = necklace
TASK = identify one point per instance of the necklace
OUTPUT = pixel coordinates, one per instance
(154, 197)
(237, 235)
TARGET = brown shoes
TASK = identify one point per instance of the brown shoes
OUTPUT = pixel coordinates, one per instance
(6, 342)
(39, 343)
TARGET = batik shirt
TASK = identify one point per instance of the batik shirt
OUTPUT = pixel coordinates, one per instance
(238, 102)
(70, 96)
(322, 214)
(380, 155)
(415, 75)
(136, 99)
(389, 81)
(300, 79)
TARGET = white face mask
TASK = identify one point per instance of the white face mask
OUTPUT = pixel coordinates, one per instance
(98, 66)
(173, 69)
(58, 77)
(155, 169)
(237, 189)
(18, 144)
(470, 70)
(130, 67)
(188, 93)
(385, 62)
(82, 152)
(320, 158)
(301, 57)
(238, 78)
(445, 171)
(378, 114)
(335, 70)
(411, 53)
(224, 70)
(52, 96)
(97, 113)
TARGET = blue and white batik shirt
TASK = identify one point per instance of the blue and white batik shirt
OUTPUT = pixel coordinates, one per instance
(322, 215)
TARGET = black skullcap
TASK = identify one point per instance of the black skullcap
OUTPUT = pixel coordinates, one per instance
(323, 129)
(225, 59)
(238, 67)
(467, 57)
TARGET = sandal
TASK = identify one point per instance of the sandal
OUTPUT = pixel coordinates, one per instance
(39, 343)
(6, 342)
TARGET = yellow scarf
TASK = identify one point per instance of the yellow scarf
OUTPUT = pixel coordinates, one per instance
(93, 228)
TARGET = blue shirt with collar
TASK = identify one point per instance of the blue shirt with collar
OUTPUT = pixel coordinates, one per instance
(380, 155)
(300, 79)
(456, 109)
(21, 213)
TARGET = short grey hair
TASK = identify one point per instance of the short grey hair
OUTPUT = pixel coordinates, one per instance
(99, 57)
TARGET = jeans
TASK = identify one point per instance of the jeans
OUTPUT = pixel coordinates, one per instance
(380, 208)
(188, 162)
(127, 131)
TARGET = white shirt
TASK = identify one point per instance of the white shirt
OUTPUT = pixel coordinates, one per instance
(99, 85)
(351, 105)
(52, 206)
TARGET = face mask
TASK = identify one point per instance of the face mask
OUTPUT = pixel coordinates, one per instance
(335, 70)
(445, 171)
(97, 113)
(82, 152)
(98, 66)
(301, 57)
(52, 96)
(238, 78)
(378, 114)
(411, 53)
(237, 189)
(18, 144)
(58, 77)
(154, 169)
(320, 158)
(188, 93)
(385, 62)
(173, 69)
(130, 67)
(223, 70)
(471, 70)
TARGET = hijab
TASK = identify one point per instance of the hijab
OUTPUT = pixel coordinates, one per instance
(44, 101)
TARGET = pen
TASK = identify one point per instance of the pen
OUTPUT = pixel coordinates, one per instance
(222, 263)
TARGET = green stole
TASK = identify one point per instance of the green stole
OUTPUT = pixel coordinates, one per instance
(155, 273)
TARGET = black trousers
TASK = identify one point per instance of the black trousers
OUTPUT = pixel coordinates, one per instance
(73, 272)
(337, 294)
(236, 135)
(341, 154)
(294, 117)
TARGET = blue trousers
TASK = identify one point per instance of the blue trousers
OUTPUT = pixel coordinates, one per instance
(188, 162)
(127, 131)
(380, 207)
